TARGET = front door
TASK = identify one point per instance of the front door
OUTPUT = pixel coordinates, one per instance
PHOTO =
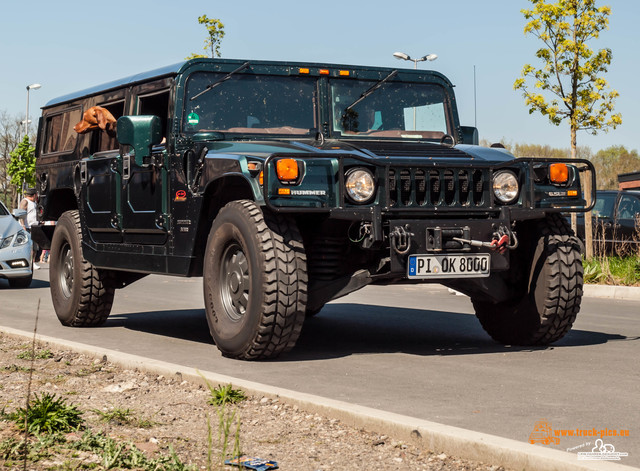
(144, 206)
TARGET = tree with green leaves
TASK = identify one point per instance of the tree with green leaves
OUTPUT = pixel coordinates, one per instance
(613, 161)
(215, 30)
(22, 167)
(569, 84)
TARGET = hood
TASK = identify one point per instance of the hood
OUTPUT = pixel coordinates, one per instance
(8, 226)
(428, 150)
(376, 149)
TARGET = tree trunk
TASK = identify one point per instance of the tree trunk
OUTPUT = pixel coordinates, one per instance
(586, 188)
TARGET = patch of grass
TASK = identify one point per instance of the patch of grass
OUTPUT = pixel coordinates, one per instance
(16, 368)
(612, 270)
(119, 416)
(116, 416)
(221, 395)
(39, 355)
(49, 414)
(114, 454)
(99, 450)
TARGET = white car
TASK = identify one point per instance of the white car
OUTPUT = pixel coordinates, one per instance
(15, 249)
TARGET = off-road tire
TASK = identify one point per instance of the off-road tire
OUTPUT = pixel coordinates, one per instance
(547, 308)
(21, 283)
(255, 282)
(80, 295)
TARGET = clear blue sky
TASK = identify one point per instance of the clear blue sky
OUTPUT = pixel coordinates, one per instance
(71, 45)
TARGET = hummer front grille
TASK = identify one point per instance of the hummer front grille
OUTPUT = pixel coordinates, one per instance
(434, 188)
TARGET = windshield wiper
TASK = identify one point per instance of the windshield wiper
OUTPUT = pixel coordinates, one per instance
(371, 89)
(213, 85)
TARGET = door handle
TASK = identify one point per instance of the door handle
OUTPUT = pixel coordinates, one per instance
(126, 167)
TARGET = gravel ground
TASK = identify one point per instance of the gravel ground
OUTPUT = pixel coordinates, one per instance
(164, 412)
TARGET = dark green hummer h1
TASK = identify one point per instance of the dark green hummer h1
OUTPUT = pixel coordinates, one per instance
(286, 185)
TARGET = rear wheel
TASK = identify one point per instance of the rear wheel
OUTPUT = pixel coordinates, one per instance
(255, 282)
(79, 292)
(546, 302)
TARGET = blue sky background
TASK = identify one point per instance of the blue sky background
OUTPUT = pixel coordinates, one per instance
(71, 45)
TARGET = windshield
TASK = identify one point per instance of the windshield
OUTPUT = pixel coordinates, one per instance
(3, 210)
(395, 110)
(249, 104)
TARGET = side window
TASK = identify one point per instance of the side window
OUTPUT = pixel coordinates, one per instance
(102, 140)
(60, 136)
(604, 206)
(156, 104)
(629, 207)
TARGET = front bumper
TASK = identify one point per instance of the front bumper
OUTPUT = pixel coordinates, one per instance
(12, 261)
(441, 237)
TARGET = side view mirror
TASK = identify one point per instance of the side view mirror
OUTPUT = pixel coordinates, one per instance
(470, 135)
(19, 213)
(140, 132)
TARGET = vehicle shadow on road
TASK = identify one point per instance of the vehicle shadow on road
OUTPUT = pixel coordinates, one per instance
(347, 329)
(343, 329)
(186, 324)
(4, 284)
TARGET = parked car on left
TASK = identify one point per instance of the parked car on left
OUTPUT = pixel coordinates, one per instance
(15, 249)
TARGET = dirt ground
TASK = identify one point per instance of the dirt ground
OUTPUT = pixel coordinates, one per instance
(157, 413)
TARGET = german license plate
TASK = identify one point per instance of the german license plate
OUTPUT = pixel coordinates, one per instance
(449, 266)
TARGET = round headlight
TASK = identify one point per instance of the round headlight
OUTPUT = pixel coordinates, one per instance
(360, 185)
(505, 186)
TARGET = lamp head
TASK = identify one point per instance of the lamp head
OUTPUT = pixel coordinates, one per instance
(401, 55)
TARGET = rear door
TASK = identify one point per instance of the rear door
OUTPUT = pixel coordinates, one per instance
(144, 194)
(101, 180)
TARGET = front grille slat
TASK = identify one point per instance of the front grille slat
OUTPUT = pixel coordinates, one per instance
(438, 188)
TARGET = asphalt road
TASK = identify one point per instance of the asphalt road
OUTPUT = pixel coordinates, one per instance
(412, 350)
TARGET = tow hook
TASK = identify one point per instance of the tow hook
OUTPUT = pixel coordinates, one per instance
(400, 239)
(501, 241)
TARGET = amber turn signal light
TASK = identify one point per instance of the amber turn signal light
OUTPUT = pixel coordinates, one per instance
(558, 173)
(287, 169)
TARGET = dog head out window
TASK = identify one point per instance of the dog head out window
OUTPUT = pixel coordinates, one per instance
(102, 140)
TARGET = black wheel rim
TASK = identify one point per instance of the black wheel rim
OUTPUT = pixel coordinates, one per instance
(65, 275)
(234, 282)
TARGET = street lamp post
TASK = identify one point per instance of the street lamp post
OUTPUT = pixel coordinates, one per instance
(406, 57)
(33, 86)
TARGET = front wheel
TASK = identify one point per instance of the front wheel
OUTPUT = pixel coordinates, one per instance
(255, 282)
(80, 295)
(547, 298)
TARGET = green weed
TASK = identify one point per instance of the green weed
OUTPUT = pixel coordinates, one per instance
(221, 395)
(49, 414)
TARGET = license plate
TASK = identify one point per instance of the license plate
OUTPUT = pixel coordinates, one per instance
(449, 266)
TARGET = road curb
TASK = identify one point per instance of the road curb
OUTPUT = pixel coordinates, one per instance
(425, 434)
(628, 293)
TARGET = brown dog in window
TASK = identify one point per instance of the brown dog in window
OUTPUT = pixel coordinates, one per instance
(97, 117)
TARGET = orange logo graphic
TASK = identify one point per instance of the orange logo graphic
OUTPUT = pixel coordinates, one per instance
(543, 433)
